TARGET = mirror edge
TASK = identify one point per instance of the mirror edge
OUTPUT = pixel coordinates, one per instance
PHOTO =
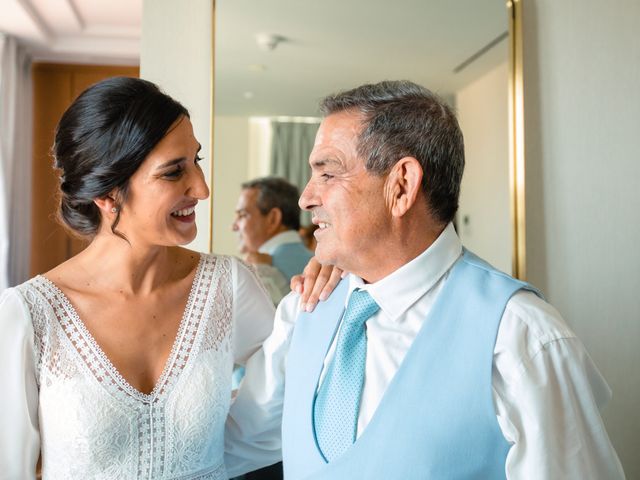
(212, 125)
(516, 140)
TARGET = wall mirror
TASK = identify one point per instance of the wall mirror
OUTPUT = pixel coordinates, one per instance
(275, 59)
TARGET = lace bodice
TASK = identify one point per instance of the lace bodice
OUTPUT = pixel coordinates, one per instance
(94, 424)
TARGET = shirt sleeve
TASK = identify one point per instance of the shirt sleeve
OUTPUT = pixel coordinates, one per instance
(548, 394)
(273, 280)
(19, 433)
(252, 312)
(253, 428)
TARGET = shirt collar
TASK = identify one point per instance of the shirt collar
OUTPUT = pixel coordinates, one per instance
(289, 236)
(399, 290)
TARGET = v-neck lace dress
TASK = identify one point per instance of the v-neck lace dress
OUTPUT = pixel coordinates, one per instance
(90, 421)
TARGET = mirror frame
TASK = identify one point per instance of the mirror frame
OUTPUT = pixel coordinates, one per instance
(515, 133)
(516, 140)
(212, 116)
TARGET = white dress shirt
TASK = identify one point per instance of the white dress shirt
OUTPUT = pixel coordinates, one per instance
(547, 392)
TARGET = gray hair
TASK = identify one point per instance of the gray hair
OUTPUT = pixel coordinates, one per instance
(402, 119)
(276, 192)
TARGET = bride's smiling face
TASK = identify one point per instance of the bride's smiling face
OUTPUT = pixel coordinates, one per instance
(164, 191)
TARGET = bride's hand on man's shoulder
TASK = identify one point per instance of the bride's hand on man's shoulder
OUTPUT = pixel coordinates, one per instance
(315, 283)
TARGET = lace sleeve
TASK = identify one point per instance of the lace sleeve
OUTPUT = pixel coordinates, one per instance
(19, 435)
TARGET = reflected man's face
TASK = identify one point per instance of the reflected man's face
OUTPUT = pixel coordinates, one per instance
(250, 224)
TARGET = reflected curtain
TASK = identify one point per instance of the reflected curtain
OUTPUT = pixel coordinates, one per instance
(291, 144)
(15, 162)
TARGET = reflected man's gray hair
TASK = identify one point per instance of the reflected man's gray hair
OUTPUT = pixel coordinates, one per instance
(402, 119)
(276, 192)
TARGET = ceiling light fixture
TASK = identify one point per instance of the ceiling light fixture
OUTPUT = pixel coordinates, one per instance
(268, 41)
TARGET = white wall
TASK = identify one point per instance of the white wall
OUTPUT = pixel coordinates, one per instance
(484, 221)
(260, 133)
(175, 53)
(231, 168)
(582, 106)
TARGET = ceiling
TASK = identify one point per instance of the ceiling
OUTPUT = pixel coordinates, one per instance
(327, 46)
(76, 31)
(338, 44)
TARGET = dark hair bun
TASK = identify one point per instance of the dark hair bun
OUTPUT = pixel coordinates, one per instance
(102, 139)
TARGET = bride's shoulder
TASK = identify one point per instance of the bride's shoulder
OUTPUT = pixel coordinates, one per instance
(215, 268)
(239, 272)
(23, 304)
(25, 292)
(225, 262)
(71, 276)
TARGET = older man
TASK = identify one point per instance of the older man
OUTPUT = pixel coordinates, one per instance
(267, 222)
(426, 362)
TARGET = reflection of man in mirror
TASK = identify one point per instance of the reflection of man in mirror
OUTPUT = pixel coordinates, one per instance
(425, 362)
(267, 222)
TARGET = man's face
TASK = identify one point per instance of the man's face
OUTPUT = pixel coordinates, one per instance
(346, 201)
(250, 223)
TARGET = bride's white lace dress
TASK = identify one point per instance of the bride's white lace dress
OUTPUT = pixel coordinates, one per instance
(64, 397)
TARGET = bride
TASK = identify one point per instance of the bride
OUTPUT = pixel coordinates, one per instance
(117, 363)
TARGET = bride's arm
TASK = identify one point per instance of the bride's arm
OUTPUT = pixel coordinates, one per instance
(252, 314)
(253, 428)
(19, 435)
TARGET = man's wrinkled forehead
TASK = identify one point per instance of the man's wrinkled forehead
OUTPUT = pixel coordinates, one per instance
(337, 139)
(345, 122)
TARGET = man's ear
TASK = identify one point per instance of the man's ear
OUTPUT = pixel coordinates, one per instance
(274, 218)
(403, 185)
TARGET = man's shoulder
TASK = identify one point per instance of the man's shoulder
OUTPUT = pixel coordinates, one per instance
(297, 247)
(490, 275)
(290, 308)
(536, 318)
(529, 326)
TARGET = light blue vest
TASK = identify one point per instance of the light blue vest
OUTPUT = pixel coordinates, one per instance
(436, 419)
(291, 258)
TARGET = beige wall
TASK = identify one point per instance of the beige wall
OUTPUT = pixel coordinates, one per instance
(175, 53)
(484, 221)
(231, 168)
(582, 79)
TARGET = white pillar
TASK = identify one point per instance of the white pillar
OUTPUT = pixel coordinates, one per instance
(176, 54)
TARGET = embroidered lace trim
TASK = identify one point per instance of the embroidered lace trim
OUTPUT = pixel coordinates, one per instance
(66, 350)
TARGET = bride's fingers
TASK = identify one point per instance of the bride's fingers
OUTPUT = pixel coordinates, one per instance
(305, 281)
(332, 283)
(313, 287)
(312, 275)
(325, 282)
(297, 281)
(315, 283)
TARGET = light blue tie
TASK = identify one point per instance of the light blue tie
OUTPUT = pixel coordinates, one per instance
(335, 411)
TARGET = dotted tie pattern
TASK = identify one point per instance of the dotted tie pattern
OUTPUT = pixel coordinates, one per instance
(336, 407)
